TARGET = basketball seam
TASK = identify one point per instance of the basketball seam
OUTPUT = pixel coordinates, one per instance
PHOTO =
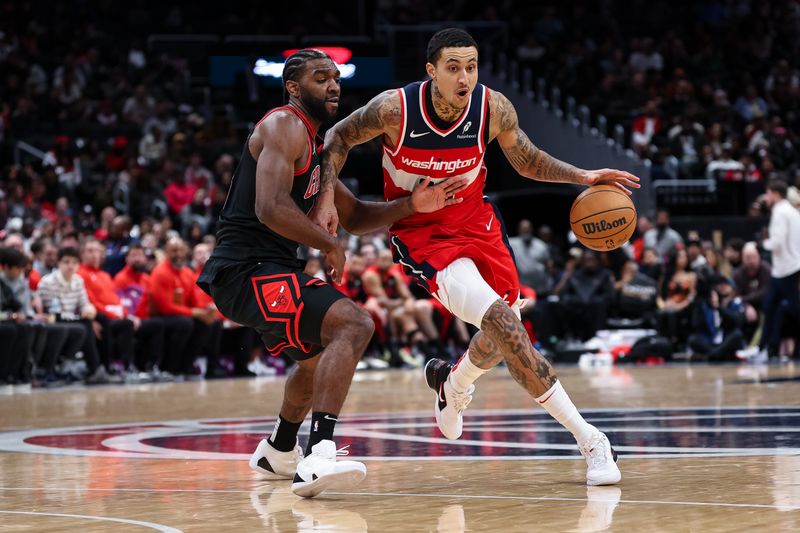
(600, 213)
(590, 192)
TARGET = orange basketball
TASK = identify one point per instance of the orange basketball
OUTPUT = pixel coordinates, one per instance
(603, 218)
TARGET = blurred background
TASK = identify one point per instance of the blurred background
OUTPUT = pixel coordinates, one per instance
(124, 125)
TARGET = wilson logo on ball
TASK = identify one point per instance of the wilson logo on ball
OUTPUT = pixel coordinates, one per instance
(590, 228)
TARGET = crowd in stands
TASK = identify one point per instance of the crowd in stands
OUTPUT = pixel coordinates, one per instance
(103, 237)
(704, 89)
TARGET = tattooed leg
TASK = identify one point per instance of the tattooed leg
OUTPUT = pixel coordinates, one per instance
(504, 334)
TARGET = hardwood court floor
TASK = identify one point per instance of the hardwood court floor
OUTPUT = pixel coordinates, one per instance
(701, 449)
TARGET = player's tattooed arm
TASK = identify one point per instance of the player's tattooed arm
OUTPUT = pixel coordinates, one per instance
(524, 156)
(533, 162)
(381, 115)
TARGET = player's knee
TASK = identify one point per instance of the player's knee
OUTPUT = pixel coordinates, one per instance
(361, 325)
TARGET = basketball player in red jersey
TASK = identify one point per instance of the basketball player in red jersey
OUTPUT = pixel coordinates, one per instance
(256, 280)
(439, 129)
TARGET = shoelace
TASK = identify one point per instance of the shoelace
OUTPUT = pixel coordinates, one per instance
(461, 399)
(593, 450)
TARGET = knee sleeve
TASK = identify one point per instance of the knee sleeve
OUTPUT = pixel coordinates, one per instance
(464, 292)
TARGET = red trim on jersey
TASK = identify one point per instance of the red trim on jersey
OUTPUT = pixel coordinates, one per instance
(402, 123)
(308, 160)
(481, 145)
(309, 130)
(427, 115)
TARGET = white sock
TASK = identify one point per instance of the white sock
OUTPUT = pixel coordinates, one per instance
(465, 373)
(557, 403)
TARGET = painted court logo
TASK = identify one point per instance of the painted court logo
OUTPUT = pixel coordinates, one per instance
(495, 434)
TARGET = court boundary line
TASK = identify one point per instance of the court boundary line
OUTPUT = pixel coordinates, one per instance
(411, 495)
(151, 525)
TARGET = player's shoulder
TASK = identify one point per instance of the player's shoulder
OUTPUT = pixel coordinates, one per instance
(281, 119)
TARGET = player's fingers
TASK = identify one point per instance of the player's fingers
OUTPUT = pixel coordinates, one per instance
(455, 185)
(624, 189)
(453, 201)
(424, 183)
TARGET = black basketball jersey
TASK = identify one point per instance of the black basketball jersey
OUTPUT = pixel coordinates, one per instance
(240, 235)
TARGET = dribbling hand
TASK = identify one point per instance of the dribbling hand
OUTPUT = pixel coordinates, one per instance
(610, 176)
(427, 198)
(336, 259)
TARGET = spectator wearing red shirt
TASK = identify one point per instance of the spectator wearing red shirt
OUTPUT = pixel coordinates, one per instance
(172, 294)
(200, 255)
(119, 326)
(132, 285)
(241, 342)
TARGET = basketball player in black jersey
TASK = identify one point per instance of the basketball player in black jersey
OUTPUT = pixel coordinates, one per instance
(256, 279)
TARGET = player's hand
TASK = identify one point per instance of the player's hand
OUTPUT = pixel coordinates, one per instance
(427, 198)
(336, 259)
(324, 214)
(610, 176)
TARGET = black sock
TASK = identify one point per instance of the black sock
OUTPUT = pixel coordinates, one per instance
(322, 425)
(284, 436)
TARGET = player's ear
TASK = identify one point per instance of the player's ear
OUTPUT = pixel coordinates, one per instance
(293, 88)
(431, 70)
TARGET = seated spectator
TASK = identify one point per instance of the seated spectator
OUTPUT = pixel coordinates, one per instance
(391, 299)
(48, 340)
(751, 280)
(531, 255)
(750, 105)
(119, 326)
(117, 244)
(733, 252)
(200, 255)
(586, 298)
(716, 323)
(16, 337)
(644, 127)
(63, 294)
(172, 294)
(725, 168)
(663, 239)
(635, 296)
(133, 288)
(677, 293)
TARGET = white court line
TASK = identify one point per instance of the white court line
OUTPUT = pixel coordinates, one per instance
(551, 499)
(411, 495)
(151, 525)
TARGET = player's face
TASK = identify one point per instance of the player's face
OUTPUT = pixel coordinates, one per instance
(455, 74)
(319, 89)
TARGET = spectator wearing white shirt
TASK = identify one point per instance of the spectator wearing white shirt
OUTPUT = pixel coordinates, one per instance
(63, 294)
(783, 294)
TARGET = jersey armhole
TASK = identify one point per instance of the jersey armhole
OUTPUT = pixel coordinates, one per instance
(399, 143)
(485, 121)
(308, 160)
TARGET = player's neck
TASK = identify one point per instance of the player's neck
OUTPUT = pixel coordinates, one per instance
(443, 110)
(315, 124)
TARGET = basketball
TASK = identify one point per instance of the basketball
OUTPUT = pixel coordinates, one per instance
(603, 218)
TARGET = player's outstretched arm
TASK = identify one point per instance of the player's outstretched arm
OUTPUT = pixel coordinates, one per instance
(359, 217)
(278, 142)
(534, 163)
(381, 115)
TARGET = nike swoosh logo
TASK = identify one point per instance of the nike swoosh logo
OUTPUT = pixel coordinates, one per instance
(415, 135)
(489, 225)
(441, 398)
(326, 417)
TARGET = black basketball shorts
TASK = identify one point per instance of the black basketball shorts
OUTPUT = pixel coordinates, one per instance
(284, 305)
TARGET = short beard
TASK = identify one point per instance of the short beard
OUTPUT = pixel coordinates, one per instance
(316, 109)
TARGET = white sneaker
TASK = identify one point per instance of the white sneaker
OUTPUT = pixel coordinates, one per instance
(601, 461)
(449, 404)
(273, 463)
(376, 363)
(321, 471)
(753, 355)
